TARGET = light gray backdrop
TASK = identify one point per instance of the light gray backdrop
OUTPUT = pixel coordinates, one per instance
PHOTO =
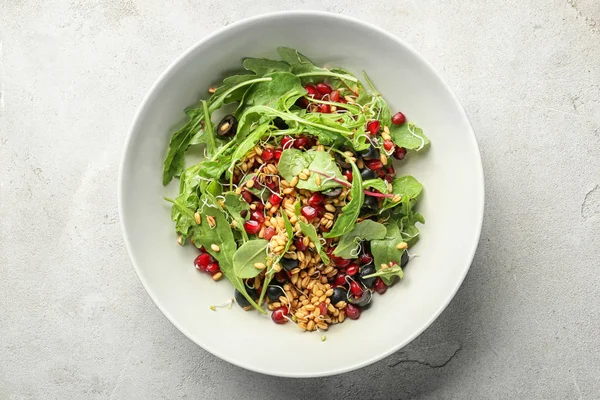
(75, 321)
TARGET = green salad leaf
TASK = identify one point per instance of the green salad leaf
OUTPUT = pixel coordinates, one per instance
(350, 212)
(263, 66)
(289, 229)
(234, 206)
(409, 189)
(293, 161)
(254, 251)
(349, 244)
(384, 249)
(281, 92)
(409, 136)
(310, 231)
(388, 274)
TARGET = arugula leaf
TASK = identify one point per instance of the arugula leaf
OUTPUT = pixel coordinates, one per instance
(281, 91)
(209, 135)
(384, 249)
(408, 135)
(234, 205)
(261, 192)
(263, 66)
(174, 163)
(346, 220)
(222, 236)
(183, 218)
(409, 189)
(410, 233)
(309, 231)
(254, 251)
(349, 243)
(293, 161)
(249, 142)
(305, 68)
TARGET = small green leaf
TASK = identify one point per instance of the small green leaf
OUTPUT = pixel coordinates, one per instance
(293, 161)
(234, 205)
(254, 251)
(409, 136)
(350, 212)
(376, 183)
(263, 66)
(388, 274)
(409, 190)
(309, 231)
(349, 243)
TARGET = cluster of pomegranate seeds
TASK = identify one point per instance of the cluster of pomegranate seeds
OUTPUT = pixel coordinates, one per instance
(206, 263)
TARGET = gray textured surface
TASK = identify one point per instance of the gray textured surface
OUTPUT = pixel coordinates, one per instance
(75, 321)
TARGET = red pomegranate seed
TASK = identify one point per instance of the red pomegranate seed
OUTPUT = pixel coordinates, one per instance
(247, 196)
(279, 315)
(281, 277)
(374, 165)
(252, 227)
(391, 170)
(379, 286)
(275, 199)
(340, 279)
(334, 96)
(387, 144)
(270, 182)
(398, 118)
(269, 232)
(257, 216)
(399, 153)
(352, 270)
(381, 173)
(365, 258)
(202, 261)
(311, 141)
(267, 154)
(278, 154)
(373, 127)
(347, 174)
(259, 206)
(212, 268)
(340, 262)
(309, 212)
(323, 88)
(323, 308)
(388, 178)
(352, 311)
(300, 142)
(325, 108)
(300, 244)
(312, 91)
(356, 289)
(316, 199)
(202, 249)
(286, 142)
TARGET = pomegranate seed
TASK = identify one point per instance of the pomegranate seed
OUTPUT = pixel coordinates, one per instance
(399, 153)
(300, 244)
(259, 206)
(300, 142)
(373, 127)
(202, 261)
(381, 173)
(352, 270)
(387, 144)
(202, 249)
(212, 268)
(374, 165)
(388, 178)
(286, 142)
(325, 108)
(278, 154)
(323, 88)
(279, 315)
(323, 308)
(334, 96)
(398, 118)
(355, 289)
(309, 212)
(347, 174)
(340, 279)
(312, 91)
(340, 262)
(252, 227)
(257, 216)
(281, 277)
(379, 286)
(269, 232)
(365, 258)
(391, 170)
(247, 196)
(267, 154)
(311, 141)
(275, 199)
(270, 182)
(320, 210)
(316, 199)
(352, 311)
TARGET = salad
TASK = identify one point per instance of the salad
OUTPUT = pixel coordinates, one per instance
(297, 202)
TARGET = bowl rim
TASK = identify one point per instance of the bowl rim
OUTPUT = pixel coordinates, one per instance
(253, 20)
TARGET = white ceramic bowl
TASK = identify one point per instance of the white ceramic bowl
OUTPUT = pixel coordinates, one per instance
(452, 204)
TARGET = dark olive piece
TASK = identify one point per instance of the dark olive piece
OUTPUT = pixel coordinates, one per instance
(367, 174)
(339, 294)
(371, 153)
(289, 263)
(274, 291)
(367, 270)
(363, 300)
(227, 126)
(371, 203)
(241, 300)
(404, 259)
(280, 123)
(335, 192)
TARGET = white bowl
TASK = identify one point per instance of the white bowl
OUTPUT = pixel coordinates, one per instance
(452, 204)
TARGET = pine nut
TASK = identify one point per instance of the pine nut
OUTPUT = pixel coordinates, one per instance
(215, 248)
(402, 246)
(217, 276)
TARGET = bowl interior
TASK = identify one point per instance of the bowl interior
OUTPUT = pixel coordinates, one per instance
(452, 202)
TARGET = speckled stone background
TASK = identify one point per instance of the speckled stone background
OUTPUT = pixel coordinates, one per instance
(75, 321)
